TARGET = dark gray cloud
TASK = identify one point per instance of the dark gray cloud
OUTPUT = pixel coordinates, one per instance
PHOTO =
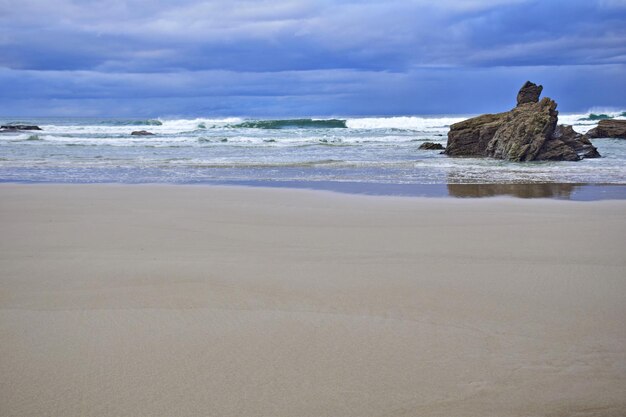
(283, 35)
(302, 93)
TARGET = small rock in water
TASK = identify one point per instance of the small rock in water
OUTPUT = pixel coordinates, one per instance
(609, 129)
(431, 146)
(11, 128)
(141, 133)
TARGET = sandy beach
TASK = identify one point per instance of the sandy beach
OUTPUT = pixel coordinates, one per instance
(232, 301)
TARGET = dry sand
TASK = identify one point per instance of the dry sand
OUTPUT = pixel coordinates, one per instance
(211, 301)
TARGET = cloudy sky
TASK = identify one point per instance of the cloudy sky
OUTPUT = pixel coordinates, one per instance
(292, 58)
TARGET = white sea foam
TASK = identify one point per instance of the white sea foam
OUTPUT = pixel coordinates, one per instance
(182, 125)
(157, 126)
(403, 122)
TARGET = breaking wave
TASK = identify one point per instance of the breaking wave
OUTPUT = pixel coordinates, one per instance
(603, 116)
(292, 124)
(403, 122)
(148, 122)
(400, 123)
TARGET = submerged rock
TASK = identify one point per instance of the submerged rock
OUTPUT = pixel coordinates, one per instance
(431, 146)
(609, 129)
(141, 133)
(10, 128)
(529, 132)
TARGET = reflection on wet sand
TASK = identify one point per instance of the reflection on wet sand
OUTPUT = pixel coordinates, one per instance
(547, 190)
(562, 191)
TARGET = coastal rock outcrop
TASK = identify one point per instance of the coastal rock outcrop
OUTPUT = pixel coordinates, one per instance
(609, 129)
(431, 146)
(11, 128)
(141, 133)
(529, 132)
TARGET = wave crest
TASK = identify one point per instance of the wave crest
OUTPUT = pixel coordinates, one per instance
(403, 122)
(292, 124)
(148, 122)
(603, 116)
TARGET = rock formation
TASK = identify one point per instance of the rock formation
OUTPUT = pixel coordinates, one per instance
(609, 129)
(431, 146)
(529, 132)
(141, 133)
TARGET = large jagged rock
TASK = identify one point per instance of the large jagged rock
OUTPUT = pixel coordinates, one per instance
(609, 129)
(529, 93)
(529, 132)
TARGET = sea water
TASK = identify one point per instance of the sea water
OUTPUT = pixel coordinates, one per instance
(367, 150)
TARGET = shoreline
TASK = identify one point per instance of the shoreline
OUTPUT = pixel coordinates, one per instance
(555, 191)
(248, 302)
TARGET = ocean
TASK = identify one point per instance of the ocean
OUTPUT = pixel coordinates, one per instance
(381, 151)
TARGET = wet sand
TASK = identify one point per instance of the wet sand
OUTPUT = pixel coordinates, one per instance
(233, 301)
(553, 190)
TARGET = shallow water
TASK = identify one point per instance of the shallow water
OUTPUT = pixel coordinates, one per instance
(350, 150)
